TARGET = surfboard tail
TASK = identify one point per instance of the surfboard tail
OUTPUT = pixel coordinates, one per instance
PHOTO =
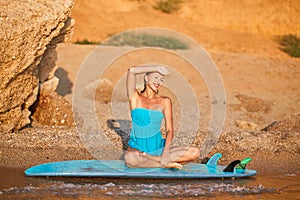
(241, 165)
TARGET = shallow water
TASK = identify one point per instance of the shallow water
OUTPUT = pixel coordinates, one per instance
(14, 185)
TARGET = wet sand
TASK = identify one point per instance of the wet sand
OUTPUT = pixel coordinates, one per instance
(18, 186)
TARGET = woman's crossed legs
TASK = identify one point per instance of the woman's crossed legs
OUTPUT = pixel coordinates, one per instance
(178, 156)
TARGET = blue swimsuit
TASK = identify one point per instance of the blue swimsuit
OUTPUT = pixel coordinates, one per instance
(145, 134)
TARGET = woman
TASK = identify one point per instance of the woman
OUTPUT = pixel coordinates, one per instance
(147, 148)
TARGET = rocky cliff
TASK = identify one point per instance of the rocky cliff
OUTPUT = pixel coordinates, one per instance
(29, 33)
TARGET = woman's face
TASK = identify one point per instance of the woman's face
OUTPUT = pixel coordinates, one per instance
(155, 80)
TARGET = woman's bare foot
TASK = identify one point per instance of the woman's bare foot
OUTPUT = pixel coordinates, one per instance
(157, 159)
(174, 165)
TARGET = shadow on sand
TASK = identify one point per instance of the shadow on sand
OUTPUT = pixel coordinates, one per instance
(122, 128)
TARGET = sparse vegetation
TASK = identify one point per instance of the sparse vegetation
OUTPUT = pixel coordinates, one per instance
(290, 44)
(84, 42)
(145, 39)
(168, 6)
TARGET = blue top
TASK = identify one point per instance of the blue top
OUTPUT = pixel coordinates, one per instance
(145, 133)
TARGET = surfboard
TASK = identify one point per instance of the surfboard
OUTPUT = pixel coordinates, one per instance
(118, 169)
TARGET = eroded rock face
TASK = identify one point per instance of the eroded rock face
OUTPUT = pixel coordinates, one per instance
(53, 110)
(29, 33)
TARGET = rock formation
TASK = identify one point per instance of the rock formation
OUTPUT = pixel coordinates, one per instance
(29, 33)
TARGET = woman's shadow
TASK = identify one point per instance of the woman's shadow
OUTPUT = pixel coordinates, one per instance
(122, 128)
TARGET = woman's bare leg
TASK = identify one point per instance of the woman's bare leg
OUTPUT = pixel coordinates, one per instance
(184, 154)
(135, 158)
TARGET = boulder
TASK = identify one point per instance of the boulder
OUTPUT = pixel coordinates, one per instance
(29, 33)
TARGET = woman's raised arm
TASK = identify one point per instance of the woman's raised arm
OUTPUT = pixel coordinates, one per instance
(130, 83)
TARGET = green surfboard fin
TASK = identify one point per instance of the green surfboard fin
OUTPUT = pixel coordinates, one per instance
(243, 163)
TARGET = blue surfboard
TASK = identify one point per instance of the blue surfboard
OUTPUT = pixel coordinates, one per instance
(118, 169)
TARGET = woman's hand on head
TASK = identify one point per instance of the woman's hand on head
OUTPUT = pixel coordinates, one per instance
(163, 70)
